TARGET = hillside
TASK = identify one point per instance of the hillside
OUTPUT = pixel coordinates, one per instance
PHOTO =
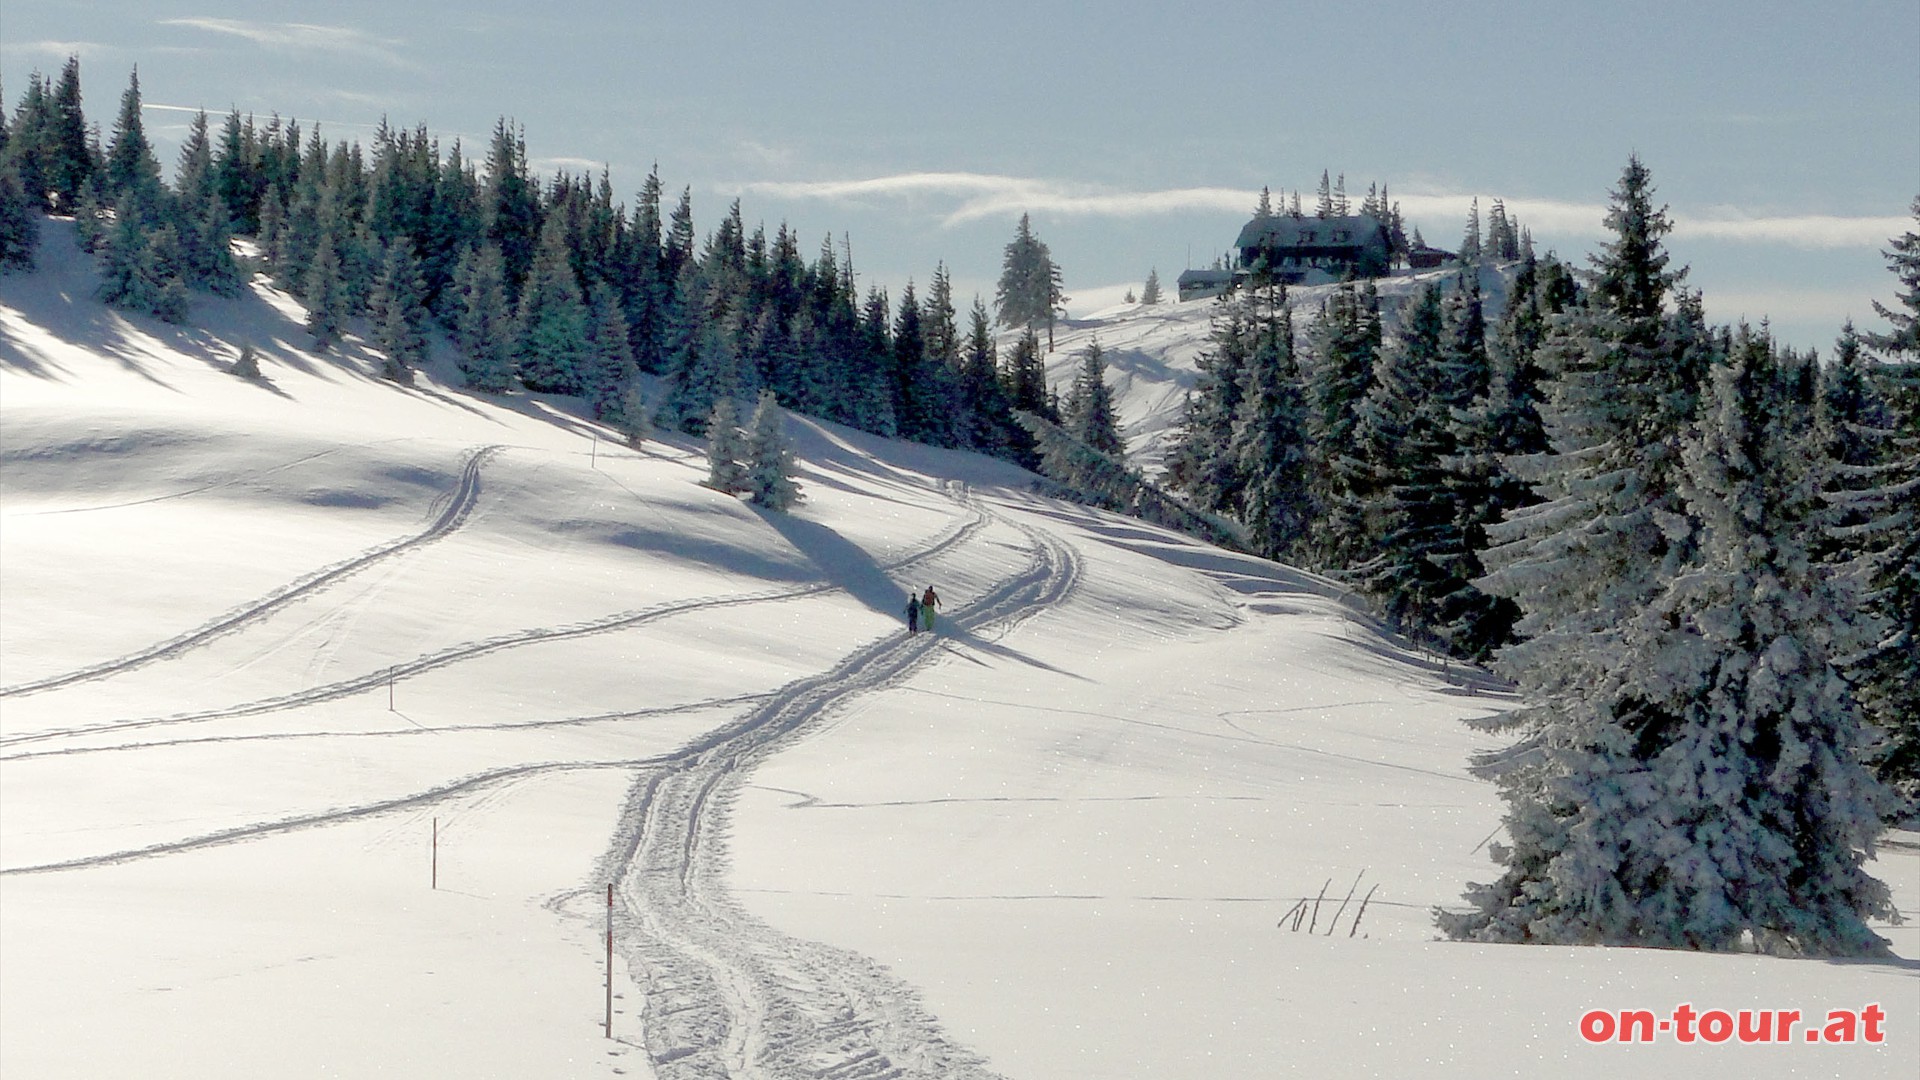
(1152, 351)
(330, 710)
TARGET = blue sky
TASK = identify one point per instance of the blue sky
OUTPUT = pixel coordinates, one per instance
(1784, 136)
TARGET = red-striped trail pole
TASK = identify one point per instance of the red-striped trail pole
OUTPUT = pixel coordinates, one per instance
(609, 960)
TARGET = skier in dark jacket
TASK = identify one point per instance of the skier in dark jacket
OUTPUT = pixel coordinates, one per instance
(913, 614)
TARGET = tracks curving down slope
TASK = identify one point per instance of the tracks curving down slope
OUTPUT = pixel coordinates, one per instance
(726, 994)
(459, 504)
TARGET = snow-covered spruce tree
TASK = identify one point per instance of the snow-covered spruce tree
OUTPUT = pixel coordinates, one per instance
(1876, 489)
(1087, 412)
(725, 449)
(1470, 242)
(1268, 444)
(1708, 790)
(1585, 565)
(769, 460)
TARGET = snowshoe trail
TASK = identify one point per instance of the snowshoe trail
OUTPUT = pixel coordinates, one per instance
(459, 504)
(727, 995)
(962, 529)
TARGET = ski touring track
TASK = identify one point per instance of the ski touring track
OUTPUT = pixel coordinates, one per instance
(727, 995)
(955, 533)
(459, 504)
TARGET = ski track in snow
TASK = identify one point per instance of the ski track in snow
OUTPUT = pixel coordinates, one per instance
(727, 995)
(962, 529)
(466, 492)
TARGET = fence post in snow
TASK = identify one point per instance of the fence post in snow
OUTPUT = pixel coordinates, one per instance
(609, 960)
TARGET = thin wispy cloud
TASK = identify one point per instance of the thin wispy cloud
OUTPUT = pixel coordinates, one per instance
(962, 197)
(60, 50)
(1803, 230)
(985, 195)
(339, 39)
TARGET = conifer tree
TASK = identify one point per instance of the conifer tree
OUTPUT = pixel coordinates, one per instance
(484, 327)
(130, 167)
(1268, 445)
(1087, 412)
(769, 460)
(930, 402)
(1585, 565)
(511, 204)
(1150, 293)
(237, 180)
(611, 371)
(398, 313)
(19, 224)
(1470, 243)
(193, 177)
(1873, 445)
(870, 378)
(140, 267)
(725, 449)
(636, 420)
(326, 295)
(1029, 291)
(1707, 790)
(1404, 435)
(67, 155)
(1343, 351)
(1200, 460)
(985, 402)
(551, 351)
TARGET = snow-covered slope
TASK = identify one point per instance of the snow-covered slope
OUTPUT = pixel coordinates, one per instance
(275, 654)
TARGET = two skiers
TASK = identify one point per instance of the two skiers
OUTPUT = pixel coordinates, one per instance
(920, 610)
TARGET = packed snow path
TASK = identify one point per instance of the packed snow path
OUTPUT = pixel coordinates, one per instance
(728, 996)
(459, 504)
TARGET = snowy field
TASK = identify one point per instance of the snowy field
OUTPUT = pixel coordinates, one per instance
(264, 644)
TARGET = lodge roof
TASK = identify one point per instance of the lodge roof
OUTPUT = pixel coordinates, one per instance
(1279, 231)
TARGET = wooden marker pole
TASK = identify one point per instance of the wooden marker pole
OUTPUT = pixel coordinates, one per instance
(609, 960)
(436, 853)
